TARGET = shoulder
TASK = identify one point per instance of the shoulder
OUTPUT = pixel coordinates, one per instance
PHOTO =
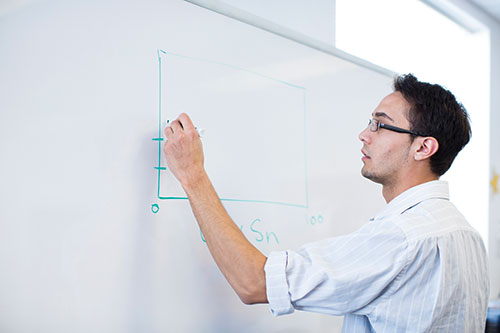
(432, 219)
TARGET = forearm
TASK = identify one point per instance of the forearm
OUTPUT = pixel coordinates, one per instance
(241, 263)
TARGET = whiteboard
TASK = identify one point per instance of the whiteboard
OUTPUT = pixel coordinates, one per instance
(95, 234)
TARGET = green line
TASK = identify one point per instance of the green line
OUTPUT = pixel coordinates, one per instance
(242, 200)
(173, 198)
(234, 67)
(159, 139)
(265, 202)
(159, 119)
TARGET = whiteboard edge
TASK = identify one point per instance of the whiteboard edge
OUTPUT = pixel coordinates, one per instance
(269, 26)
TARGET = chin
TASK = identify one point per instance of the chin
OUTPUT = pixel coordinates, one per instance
(371, 176)
(365, 173)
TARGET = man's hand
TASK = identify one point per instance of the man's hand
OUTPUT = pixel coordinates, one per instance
(183, 150)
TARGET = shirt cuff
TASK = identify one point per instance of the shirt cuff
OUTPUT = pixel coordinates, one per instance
(277, 285)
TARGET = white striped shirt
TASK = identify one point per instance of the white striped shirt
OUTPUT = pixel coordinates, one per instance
(418, 266)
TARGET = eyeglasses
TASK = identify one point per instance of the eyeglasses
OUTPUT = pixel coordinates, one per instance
(374, 125)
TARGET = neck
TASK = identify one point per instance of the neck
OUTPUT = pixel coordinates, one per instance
(392, 190)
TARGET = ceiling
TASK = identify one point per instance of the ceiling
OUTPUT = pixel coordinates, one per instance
(492, 7)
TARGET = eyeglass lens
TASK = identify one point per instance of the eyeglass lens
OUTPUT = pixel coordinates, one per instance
(373, 124)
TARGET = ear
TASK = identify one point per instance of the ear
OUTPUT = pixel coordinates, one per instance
(427, 147)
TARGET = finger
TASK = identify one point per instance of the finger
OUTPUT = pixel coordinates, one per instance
(186, 123)
(176, 126)
(168, 131)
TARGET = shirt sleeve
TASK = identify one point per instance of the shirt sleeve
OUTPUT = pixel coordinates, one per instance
(339, 275)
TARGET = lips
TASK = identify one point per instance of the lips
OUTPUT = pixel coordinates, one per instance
(365, 155)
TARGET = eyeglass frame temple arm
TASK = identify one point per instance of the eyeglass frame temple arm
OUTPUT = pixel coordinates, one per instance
(400, 130)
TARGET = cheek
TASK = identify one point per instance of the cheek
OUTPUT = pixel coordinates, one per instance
(388, 152)
(398, 153)
(383, 151)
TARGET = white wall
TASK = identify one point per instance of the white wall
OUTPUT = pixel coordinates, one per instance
(494, 246)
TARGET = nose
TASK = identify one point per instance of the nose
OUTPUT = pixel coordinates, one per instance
(364, 136)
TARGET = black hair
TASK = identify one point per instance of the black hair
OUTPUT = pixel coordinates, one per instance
(436, 112)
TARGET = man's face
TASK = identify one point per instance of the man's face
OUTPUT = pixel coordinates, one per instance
(386, 154)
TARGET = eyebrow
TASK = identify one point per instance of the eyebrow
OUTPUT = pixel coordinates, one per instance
(383, 115)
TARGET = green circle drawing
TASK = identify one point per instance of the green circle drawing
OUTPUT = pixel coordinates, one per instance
(155, 208)
(313, 220)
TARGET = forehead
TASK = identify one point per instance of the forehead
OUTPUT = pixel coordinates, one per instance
(392, 107)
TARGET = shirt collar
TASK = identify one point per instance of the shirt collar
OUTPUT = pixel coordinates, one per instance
(436, 189)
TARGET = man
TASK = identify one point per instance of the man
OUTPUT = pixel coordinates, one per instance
(418, 266)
